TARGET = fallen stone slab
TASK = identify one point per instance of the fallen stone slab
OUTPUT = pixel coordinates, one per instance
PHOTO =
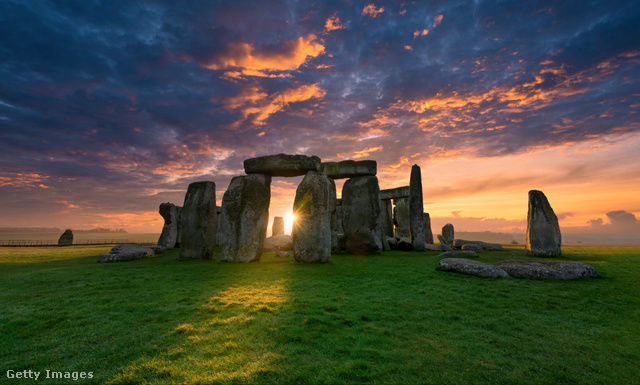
(125, 253)
(282, 165)
(278, 242)
(350, 169)
(472, 247)
(458, 254)
(560, 270)
(460, 243)
(467, 266)
(404, 244)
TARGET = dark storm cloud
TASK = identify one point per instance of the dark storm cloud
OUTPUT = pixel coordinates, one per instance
(164, 93)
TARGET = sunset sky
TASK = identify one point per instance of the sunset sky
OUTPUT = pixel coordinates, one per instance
(108, 109)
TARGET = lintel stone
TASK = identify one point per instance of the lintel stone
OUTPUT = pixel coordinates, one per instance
(282, 165)
(350, 169)
(395, 193)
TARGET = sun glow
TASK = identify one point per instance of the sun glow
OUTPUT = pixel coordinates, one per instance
(288, 223)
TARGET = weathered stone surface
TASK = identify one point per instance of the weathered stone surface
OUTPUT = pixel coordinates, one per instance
(361, 215)
(312, 228)
(448, 234)
(395, 193)
(428, 234)
(431, 247)
(125, 253)
(282, 165)
(543, 231)
(278, 226)
(219, 234)
(169, 235)
(66, 239)
(483, 246)
(199, 221)
(458, 254)
(278, 242)
(333, 208)
(179, 231)
(245, 216)
(392, 242)
(441, 239)
(560, 270)
(416, 209)
(472, 247)
(467, 266)
(337, 232)
(401, 218)
(349, 169)
(386, 217)
(404, 244)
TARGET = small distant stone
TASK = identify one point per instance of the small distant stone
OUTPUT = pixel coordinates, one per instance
(559, 270)
(458, 254)
(461, 243)
(467, 266)
(278, 242)
(472, 247)
(66, 239)
(125, 253)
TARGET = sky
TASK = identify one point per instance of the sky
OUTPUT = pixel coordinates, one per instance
(109, 108)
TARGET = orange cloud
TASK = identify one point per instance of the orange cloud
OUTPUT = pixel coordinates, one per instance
(256, 104)
(370, 10)
(424, 32)
(252, 61)
(366, 152)
(333, 23)
(437, 20)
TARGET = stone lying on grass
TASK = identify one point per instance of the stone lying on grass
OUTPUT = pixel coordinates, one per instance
(440, 247)
(458, 254)
(284, 254)
(404, 244)
(467, 266)
(472, 247)
(460, 243)
(561, 270)
(278, 242)
(125, 253)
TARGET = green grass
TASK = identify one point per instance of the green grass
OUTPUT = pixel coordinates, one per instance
(389, 318)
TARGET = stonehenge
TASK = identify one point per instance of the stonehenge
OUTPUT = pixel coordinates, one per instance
(365, 220)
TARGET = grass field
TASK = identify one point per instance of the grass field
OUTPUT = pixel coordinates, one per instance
(389, 318)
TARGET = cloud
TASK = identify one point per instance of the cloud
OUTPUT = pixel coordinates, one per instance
(620, 221)
(437, 20)
(372, 11)
(252, 61)
(333, 23)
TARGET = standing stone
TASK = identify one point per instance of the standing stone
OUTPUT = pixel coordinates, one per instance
(199, 221)
(448, 234)
(66, 239)
(278, 226)
(312, 227)
(338, 229)
(361, 215)
(169, 235)
(543, 231)
(179, 226)
(333, 203)
(428, 234)
(416, 209)
(245, 217)
(219, 235)
(401, 218)
(386, 217)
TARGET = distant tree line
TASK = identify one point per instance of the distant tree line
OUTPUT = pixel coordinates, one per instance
(57, 230)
